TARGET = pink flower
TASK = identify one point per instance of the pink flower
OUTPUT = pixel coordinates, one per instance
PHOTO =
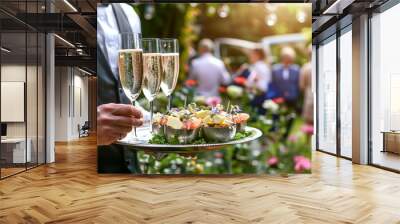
(301, 163)
(213, 101)
(292, 138)
(307, 129)
(283, 149)
(218, 155)
(272, 161)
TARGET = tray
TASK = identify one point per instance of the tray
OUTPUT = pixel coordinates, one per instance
(144, 135)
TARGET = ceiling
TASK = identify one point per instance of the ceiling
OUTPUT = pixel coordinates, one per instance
(72, 20)
(328, 13)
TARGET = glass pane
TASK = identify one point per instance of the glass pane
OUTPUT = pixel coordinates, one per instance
(41, 99)
(327, 96)
(31, 98)
(314, 77)
(32, 87)
(346, 94)
(13, 86)
(386, 89)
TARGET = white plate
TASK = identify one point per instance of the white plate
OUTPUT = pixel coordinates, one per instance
(141, 143)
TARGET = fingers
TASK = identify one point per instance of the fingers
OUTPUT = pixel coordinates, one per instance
(125, 121)
(127, 110)
(119, 130)
(118, 121)
(120, 109)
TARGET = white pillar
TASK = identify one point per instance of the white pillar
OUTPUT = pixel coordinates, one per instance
(360, 90)
(50, 101)
(50, 92)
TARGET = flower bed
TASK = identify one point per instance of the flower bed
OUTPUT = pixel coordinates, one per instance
(284, 148)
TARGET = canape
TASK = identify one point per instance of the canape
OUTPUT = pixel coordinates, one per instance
(240, 120)
(218, 127)
(182, 128)
(159, 121)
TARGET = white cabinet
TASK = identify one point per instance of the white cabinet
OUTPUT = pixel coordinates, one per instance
(16, 149)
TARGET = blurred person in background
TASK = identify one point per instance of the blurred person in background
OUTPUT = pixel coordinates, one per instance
(259, 78)
(260, 74)
(243, 71)
(285, 78)
(305, 87)
(209, 71)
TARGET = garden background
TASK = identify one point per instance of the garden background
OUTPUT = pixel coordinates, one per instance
(286, 143)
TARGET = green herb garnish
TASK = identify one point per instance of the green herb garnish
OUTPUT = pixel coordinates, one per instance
(158, 139)
(174, 141)
(199, 141)
(242, 134)
(161, 139)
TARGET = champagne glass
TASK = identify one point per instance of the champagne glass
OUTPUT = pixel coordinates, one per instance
(170, 66)
(151, 71)
(130, 66)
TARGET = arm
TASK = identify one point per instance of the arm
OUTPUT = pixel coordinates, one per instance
(225, 77)
(251, 79)
(192, 72)
(303, 77)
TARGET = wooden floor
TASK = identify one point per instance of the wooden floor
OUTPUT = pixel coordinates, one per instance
(10, 171)
(70, 191)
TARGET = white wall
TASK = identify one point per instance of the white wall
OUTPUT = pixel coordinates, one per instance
(81, 101)
(12, 73)
(15, 73)
(61, 104)
(71, 94)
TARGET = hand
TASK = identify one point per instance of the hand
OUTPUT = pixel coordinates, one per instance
(115, 121)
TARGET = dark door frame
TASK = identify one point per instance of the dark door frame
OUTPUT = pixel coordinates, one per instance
(340, 28)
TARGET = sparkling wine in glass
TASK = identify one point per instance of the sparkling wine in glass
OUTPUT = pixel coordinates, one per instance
(130, 66)
(152, 71)
(170, 66)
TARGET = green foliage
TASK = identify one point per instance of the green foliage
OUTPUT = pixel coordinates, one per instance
(242, 134)
(170, 21)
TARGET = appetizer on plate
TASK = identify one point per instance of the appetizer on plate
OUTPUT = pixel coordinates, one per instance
(194, 124)
(159, 121)
(182, 127)
(218, 126)
(240, 120)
